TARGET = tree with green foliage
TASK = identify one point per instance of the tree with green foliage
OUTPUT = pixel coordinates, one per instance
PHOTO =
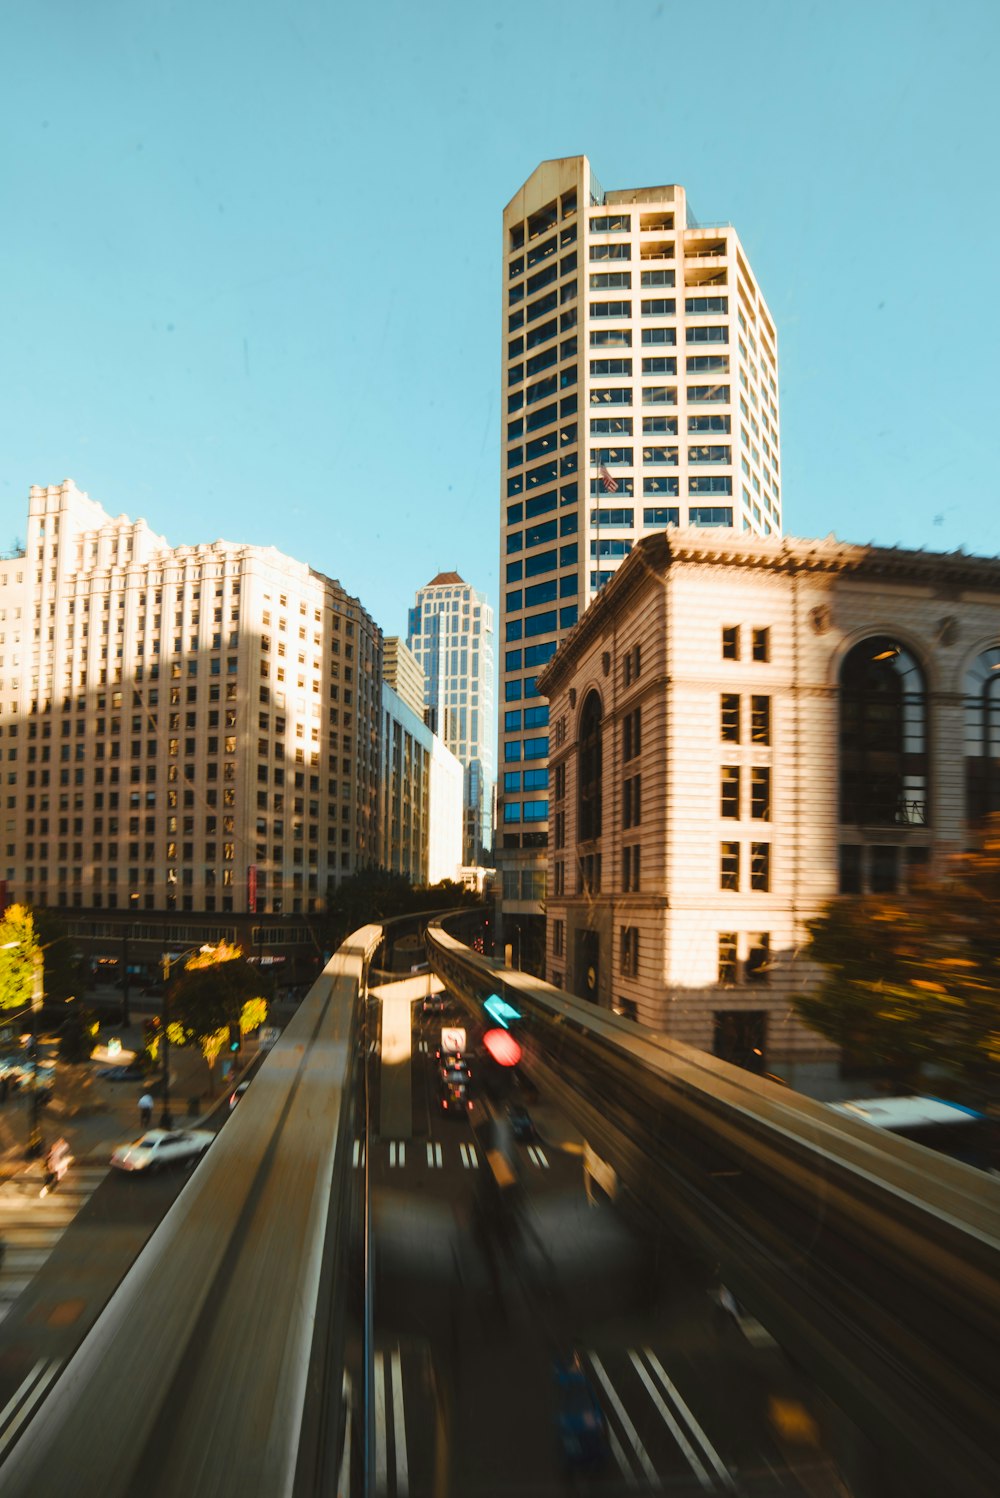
(209, 996)
(28, 936)
(20, 950)
(912, 981)
(374, 895)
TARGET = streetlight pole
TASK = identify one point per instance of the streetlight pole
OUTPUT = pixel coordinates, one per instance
(125, 995)
(133, 901)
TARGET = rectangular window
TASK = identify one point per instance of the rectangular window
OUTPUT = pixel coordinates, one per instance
(632, 801)
(730, 706)
(730, 642)
(850, 880)
(730, 792)
(762, 644)
(632, 734)
(729, 865)
(711, 515)
(757, 968)
(760, 793)
(760, 866)
(727, 958)
(884, 870)
(630, 868)
(558, 938)
(661, 517)
(760, 720)
(629, 951)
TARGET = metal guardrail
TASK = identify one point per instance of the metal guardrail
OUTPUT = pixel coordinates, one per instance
(875, 1263)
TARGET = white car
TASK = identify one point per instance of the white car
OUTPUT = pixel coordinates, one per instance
(158, 1148)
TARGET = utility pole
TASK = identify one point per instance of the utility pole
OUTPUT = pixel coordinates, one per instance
(125, 992)
(166, 1119)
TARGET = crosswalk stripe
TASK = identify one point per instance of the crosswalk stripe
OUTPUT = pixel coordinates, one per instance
(31, 1224)
(538, 1157)
(470, 1159)
(399, 1428)
(33, 1390)
(434, 1155)
(359, 1153)
(667, 1417)
(696, 1430)
(397, 1152)
(631, 1433)
(381, 1451)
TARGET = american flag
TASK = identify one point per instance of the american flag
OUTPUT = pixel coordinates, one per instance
(608, 484)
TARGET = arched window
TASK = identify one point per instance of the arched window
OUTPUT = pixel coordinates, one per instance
(589, 817)
(982, 735)
(883, 736)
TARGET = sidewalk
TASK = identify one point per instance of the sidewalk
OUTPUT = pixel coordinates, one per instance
(94, 1114)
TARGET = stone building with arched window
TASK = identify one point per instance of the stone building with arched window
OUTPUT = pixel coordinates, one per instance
(741, 728)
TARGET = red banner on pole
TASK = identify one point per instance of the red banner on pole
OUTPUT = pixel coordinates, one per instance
(252, 888)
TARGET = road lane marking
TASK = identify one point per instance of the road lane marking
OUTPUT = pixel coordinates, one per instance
(344, 1473)
(397, 1153)
(434, 1156)
(399, 1428)
(666, 1415)
(359, 1153)
(537, 1156)
(692, 1424)
(381, 1452)
(469, 1157)
(33, 1391)
(631, 1433)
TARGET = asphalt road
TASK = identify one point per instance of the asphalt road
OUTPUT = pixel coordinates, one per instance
(474, 1302)
(58, 1307)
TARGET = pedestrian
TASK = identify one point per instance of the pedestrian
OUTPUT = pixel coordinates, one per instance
(145, 1110)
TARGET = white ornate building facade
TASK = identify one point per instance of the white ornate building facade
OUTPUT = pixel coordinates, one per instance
(743, 727)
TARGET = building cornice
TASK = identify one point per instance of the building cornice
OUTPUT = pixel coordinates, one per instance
(654, 556)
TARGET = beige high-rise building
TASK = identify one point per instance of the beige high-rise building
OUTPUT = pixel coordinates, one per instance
(189, 728)
(641, 379)
(403, 673)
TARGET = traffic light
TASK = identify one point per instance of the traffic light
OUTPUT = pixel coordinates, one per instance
(234, 1037)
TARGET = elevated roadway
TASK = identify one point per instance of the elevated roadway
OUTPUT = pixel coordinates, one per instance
(875, 1263)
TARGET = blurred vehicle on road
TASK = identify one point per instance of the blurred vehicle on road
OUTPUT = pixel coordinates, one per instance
(453, 1098)
(121, 1073)
(237, 1093)
(583, 1429)
(158, 1148)
(522, 1125)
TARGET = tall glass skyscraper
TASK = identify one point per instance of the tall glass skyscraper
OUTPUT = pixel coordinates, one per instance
(641, 380)
(451, 635)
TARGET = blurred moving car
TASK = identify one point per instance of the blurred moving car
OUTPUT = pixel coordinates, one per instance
(453, 1098)
(522, 1125)
(583, 1429)
(18, 1073)
(237, 1093)
(435, 1004)
(158, 1148)
(121, 1074)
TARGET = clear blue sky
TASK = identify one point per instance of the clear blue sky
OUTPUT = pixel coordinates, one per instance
(249, 257)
